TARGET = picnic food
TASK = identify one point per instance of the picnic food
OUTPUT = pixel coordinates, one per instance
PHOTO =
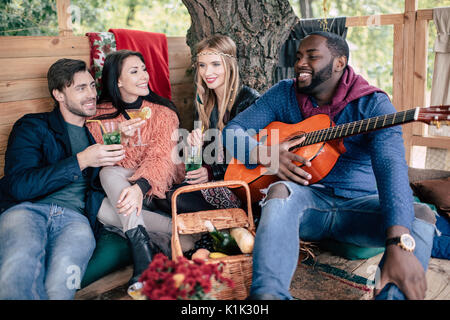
(222, 241)
(245, 240)
(217, 255)
(201, 254)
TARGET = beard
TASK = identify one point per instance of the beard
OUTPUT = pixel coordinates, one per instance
(76, 108)
(317, 78)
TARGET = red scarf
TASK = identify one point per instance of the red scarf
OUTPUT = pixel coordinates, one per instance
(351, 86)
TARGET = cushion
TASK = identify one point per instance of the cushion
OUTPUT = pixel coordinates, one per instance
(350, 251)
(111, 253)
(417, 174)
(441, 242)
(431, 206)
(434, 191)
(101, 43)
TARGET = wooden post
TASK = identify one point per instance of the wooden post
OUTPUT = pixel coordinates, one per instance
(420, 71)
(64, 17)
(409, 34)
(397, 64)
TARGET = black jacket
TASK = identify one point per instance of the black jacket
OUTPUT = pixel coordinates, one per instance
(39, 161)
(244, 99)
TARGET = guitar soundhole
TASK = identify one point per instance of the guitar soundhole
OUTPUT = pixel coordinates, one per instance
(295, 135)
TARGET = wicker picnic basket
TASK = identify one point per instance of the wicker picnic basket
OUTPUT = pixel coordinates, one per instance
(237, 267)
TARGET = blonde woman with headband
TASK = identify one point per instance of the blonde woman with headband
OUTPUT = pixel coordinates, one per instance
(220, 96)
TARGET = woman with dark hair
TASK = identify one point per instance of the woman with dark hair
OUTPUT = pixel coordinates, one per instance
(111, 88)
(148, 171)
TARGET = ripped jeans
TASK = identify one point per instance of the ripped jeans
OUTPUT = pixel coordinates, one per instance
(312, 214)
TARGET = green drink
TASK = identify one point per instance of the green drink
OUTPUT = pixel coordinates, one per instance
(111, 137)
(193, 164)
(111, 133)
(192, 158)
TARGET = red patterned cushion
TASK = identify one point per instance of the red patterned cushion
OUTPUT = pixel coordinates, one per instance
(102, 43)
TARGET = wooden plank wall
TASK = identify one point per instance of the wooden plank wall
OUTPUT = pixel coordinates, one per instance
(24, 62)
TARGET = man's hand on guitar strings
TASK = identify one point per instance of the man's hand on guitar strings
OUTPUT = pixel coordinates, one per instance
(288, 170)
(279, 160)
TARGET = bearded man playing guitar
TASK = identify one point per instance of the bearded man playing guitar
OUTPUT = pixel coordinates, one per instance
(365, 199)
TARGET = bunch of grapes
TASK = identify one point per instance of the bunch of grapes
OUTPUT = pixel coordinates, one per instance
(205, 242)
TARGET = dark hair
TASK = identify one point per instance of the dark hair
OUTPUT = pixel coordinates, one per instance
(60, 74)
(110, 89)
(335, 43)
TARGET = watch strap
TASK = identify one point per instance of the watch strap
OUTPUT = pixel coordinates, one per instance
(395, 240)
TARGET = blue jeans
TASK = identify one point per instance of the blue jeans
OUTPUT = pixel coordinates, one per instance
(44, 251)
(313, 214)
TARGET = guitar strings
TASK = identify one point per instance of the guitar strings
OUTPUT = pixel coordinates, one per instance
(331, 133)
(365, 124)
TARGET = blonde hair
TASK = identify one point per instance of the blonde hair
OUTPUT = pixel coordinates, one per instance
(224, 47)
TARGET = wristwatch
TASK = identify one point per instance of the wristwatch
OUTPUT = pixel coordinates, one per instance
(405, 241)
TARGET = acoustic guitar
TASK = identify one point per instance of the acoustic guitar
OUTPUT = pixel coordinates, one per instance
(323, 144)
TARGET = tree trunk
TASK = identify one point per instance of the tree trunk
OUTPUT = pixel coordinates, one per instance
(259, 28)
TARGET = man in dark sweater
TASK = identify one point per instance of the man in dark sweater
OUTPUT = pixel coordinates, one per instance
(51, 193)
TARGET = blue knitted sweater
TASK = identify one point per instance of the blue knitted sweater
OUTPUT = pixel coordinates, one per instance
(373, 163)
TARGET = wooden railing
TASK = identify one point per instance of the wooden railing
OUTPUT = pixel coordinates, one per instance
(410, 58)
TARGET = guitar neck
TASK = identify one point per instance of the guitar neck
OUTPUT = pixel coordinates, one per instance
(358, 127)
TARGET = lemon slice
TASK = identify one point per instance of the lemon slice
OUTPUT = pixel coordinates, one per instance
(146, 113)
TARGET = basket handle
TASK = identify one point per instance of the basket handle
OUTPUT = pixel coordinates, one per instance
(176, 246)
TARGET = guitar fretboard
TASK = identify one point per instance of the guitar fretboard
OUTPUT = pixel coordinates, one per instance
(357, 127)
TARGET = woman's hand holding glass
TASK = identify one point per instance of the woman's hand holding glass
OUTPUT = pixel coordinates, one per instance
(197, 176)
(200, 175)
(129, 128)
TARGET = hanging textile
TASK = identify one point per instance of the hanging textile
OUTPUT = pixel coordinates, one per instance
(440, 88)
(101, 44)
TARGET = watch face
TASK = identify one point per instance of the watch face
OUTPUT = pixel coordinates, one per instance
(408, 241)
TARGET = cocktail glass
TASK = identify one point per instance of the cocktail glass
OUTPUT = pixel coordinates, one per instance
(112, 134)
(144, 114)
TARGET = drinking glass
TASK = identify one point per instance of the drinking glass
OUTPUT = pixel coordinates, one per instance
(192, 157)
(112, 134)
(144, 114)
(134, 114)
